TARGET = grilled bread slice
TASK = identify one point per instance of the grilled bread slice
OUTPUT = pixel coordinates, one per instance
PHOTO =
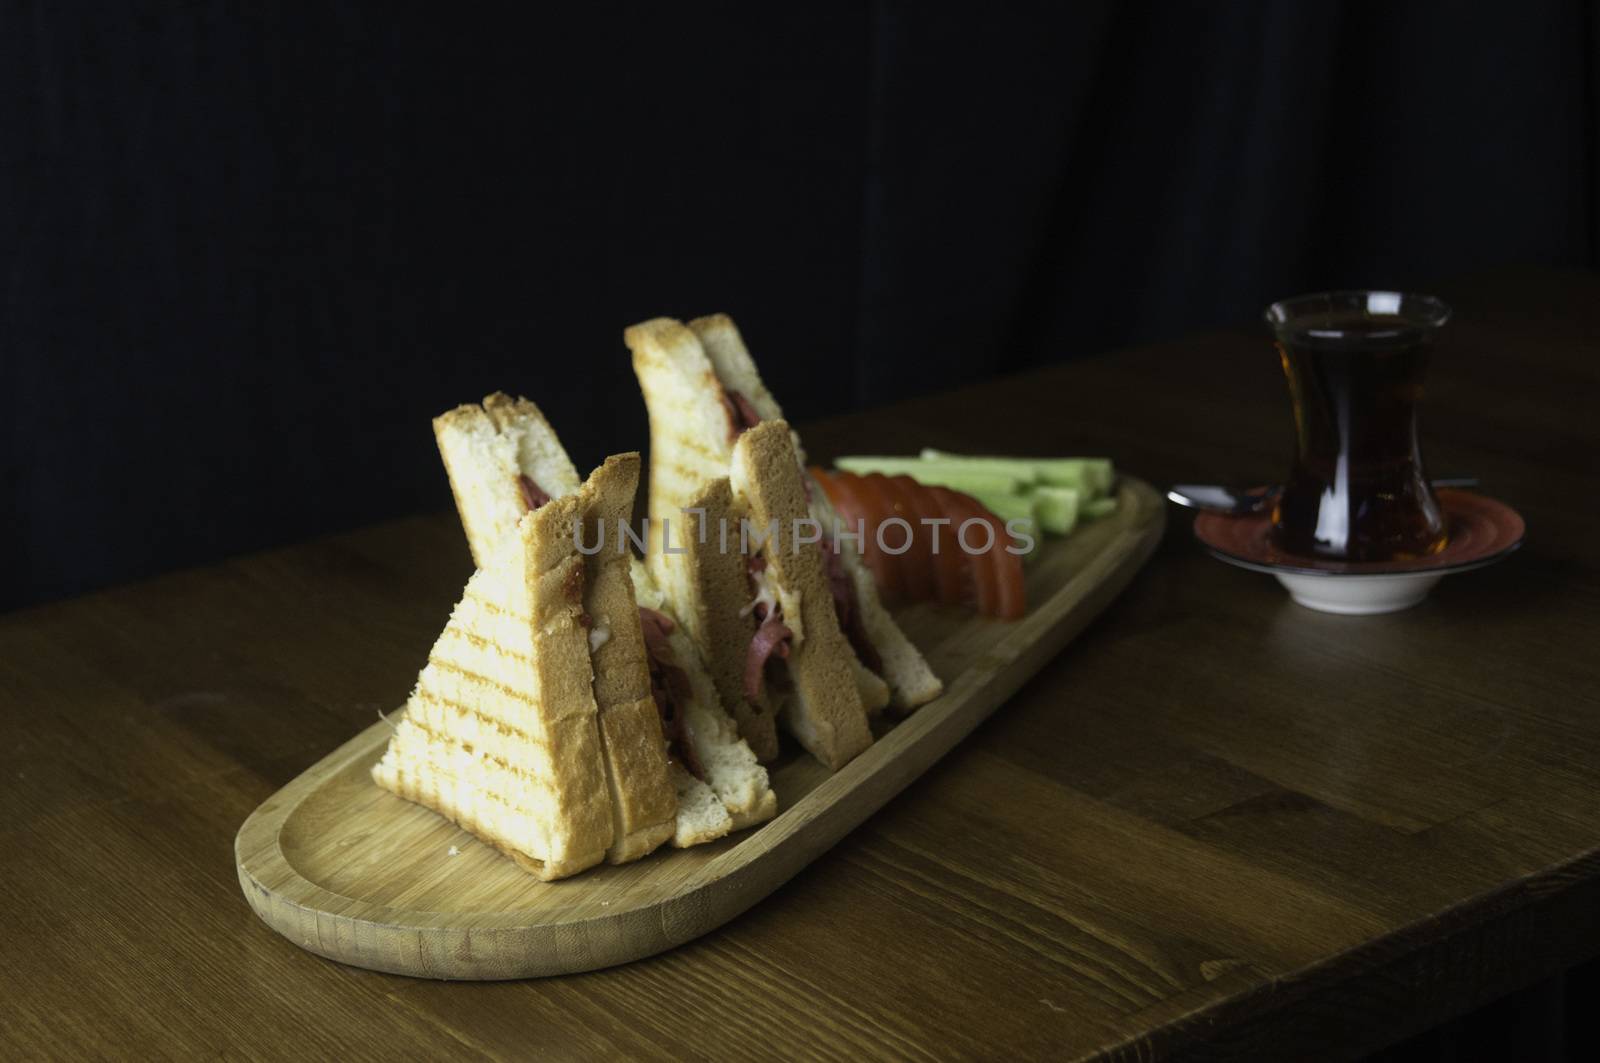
(691, 442)
(644, 803)
(487, 451)
(734, 367)
(823, 706)
(691, 437)
(502, 732)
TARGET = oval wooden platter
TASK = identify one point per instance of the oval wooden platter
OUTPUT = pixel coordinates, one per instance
(349, 871)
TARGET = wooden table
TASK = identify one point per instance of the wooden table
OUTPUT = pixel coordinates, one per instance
(1218, 824)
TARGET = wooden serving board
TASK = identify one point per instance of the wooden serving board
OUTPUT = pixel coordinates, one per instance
(354, 873)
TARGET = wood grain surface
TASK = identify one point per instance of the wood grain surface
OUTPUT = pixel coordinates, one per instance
(1217, 825)
(352, 872)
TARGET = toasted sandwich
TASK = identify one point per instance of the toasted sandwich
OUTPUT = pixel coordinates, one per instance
(878, 640)
(504, 459)
(502, 733)
(704, 392)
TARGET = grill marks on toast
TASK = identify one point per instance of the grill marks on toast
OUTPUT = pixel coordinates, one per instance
(441, 664)
(485, 645)
(533, 705)
(482, 719)
(501, 762)
(694, 449)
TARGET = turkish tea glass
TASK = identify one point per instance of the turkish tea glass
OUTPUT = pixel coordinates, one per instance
(1355, 363)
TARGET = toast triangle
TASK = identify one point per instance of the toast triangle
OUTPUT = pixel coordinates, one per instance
(823, 707)
(487, 450)
(501, 734)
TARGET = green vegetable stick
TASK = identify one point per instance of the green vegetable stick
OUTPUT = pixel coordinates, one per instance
(1008, 508)
(1057, 508)
(968, 480)
(1092, 476)
(1025, 470)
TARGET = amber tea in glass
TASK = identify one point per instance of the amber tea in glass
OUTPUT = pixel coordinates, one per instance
(1355, 362)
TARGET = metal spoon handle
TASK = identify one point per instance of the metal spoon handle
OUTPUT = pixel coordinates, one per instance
(1220, 499)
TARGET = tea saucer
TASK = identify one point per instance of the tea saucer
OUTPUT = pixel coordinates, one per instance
(1482, 531)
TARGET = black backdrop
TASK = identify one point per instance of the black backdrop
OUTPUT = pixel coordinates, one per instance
(249, 249)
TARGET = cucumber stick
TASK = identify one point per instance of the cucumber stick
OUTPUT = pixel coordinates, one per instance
(1091, 476)
(967, 480)
(1007, 505)
(1057, 508)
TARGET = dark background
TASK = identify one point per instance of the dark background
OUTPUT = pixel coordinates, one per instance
(248, 250)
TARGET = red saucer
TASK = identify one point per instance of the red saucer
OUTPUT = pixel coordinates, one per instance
(1482, 530)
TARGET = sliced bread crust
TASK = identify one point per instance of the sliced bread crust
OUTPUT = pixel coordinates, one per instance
(731, 361)
(643, 801)
(485, 450)
(825, 711)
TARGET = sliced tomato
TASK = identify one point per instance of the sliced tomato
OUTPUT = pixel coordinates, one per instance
(877, 508)
(991, 581)
(1011, 596)
(907, 582)
(973, 580)
(952, 580)
(858, 508)
(915, 505)
(997, 583)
